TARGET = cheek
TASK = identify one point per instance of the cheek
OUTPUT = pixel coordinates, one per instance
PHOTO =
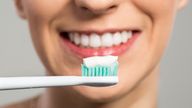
(156, 8)
(44, 9)
(161, 14)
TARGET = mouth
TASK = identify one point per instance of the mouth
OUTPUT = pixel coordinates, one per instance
(94, 43)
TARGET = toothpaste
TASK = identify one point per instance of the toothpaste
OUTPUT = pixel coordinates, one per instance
(99, 60)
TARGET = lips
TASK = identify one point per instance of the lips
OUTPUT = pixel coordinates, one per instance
(86, 44)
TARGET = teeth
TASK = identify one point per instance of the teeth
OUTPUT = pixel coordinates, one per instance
(106, 40)
(95, 40)
(84, 40)
(117, 38)
(125, 36)
(77, 39)
(71, 37)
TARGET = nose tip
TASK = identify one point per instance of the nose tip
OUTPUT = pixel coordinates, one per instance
(96, 6)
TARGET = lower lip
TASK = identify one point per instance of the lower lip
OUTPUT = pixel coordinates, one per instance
(87, 52)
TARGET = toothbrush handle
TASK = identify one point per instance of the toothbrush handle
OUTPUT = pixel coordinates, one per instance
(11, 83)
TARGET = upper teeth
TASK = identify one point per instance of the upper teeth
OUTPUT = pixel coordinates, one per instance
(105, 40)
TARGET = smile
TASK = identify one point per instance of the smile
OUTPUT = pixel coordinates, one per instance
(91, 43)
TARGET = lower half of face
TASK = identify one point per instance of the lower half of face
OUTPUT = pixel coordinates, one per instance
(137, 31)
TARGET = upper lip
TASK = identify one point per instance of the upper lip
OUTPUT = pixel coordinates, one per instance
(100, 32)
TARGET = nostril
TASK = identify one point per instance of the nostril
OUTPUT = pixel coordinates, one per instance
(113, 7)
(84, 8)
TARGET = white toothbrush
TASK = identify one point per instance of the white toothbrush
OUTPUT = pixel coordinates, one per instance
(98, 75)
(10, 83)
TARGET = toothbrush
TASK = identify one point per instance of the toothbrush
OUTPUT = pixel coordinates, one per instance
(97, 71)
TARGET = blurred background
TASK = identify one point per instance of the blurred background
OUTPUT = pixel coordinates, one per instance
(18, 58)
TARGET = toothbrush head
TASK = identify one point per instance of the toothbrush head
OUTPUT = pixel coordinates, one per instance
(99, 71)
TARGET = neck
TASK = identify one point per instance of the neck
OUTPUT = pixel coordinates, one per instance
(142, 96)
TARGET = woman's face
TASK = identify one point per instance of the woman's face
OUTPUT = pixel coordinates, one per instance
(135, 30)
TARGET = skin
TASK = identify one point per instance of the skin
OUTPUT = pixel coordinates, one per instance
(139, 67)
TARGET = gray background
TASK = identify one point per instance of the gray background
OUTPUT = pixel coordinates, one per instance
(18, 58)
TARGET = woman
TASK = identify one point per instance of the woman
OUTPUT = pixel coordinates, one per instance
(65, 31)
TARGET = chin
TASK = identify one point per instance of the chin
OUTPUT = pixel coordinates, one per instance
(100, 94)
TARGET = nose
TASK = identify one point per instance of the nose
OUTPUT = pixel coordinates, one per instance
(97, 6)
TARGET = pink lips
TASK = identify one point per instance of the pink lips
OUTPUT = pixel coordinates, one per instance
(87, 52)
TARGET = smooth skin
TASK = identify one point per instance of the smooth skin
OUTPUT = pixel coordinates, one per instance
(139, 67)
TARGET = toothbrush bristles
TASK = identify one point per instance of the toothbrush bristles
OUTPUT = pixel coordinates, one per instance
(109, 70)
